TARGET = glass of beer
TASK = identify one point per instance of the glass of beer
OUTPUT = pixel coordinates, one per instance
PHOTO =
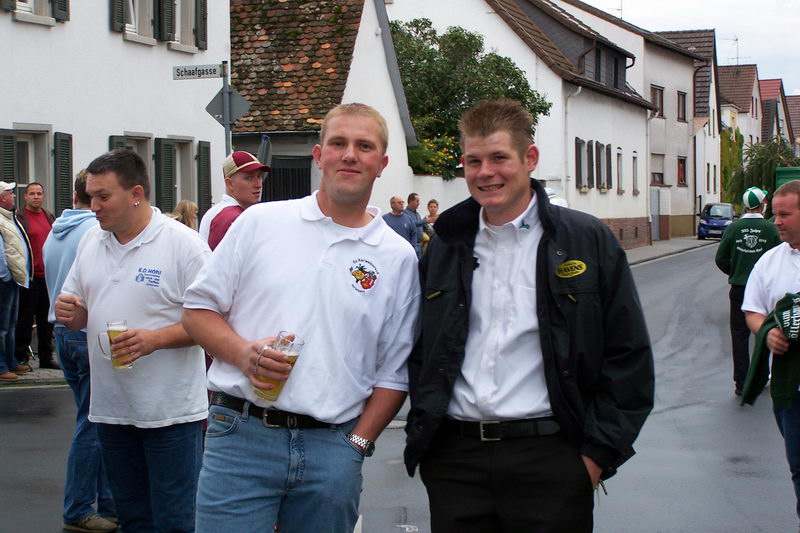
(114, 328)
(291, 345)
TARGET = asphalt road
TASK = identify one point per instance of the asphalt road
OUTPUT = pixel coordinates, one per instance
(704, 464)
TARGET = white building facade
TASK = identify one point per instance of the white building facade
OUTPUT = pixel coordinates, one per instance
(90, 76)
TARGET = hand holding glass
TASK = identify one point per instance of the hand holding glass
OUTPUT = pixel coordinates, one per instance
(286, 343)
(114, 328)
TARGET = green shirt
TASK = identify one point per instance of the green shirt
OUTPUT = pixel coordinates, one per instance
(743, 243)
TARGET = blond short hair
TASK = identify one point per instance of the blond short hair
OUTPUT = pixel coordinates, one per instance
(360, 110)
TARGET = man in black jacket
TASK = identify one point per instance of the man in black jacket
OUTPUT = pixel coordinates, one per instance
(533, 373)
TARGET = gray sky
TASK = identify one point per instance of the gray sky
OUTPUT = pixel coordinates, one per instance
(768, 30)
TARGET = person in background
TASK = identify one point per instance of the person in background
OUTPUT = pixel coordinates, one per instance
(399, 220)
(430, 220)
(419, 223)
(243, 174)
(33, 301)
(185, 213)
(86, 482)
(742, 245)
(15, 273)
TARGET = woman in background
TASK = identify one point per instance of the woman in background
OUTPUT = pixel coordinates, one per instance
(186, 213)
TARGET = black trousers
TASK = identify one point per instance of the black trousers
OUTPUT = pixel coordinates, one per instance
(34, 303)
(531, 485)
(740, 335)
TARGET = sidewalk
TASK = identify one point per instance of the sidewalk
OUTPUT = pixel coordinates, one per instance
(635, 256)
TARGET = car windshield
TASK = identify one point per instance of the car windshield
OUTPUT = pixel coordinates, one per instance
(720, 211)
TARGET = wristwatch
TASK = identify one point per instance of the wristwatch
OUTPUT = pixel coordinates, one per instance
(366, 445)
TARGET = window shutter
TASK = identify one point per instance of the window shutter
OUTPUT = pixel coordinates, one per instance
(116, 141)
(165, 20)
(203, 177)
(118, 15)
(165, 174)
(8, 157)
(579, 162)
(201, 24)
(8, 5)
(590, 164)
(61, 11)
(609, 179)
(63, 171)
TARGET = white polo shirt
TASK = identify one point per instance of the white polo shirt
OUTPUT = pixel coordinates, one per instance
(205, 222)
(502, 376)
(775, 274)
(351, 293)
(142, 282)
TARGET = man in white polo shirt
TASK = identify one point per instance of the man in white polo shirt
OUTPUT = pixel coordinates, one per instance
(336, 275)
(243, 181)
(135, 267)
(774, 275)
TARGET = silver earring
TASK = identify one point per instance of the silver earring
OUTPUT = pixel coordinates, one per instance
(137, 204)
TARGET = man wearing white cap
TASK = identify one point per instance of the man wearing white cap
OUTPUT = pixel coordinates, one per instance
(14, 273)
(243, 180)
(743, 243)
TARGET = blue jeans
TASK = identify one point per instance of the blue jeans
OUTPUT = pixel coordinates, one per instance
(153, 475)
(86, 477)
(9, 300)
(789, 424)
(308, 480)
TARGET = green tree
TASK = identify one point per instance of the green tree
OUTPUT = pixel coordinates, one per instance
(445, 74)
(731, 145)
(758, 170)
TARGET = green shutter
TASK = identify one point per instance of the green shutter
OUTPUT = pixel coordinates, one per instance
(8, 5)
(118, 15)
(165, 174)
(8, 157)
(116, 141)
(61, 10)
(203, 177)
(63, 171)
(165, 20)
(609, 178)
(201, 24)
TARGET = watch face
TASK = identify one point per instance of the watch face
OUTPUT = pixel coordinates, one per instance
(369, 449)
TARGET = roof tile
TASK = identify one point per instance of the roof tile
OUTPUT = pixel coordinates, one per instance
(736, 84)
(701, 42)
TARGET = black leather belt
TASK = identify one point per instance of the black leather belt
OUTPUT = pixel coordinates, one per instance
(272, 418)
(493, 430)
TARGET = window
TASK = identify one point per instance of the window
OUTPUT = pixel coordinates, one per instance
(751, 139)
(580, 170)
(682, 171)
(600, 165)
(181, 23)
(590, 164)
(33, 155)
(184, 22)
(715, 179)
(681, 106)
(708, 177)
(609, 179)
(657, 169)
(45, 12)
(174, 178)
(620, 190)
(755, 107)
(657, 99)
(635, 173)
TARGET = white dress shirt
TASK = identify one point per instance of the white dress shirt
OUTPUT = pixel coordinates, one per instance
(502, 377)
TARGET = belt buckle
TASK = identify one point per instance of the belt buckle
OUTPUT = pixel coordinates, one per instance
(484, 438)
(265, 420)
(291, 421)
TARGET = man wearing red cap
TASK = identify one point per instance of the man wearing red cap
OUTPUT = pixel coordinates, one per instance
(243, 180)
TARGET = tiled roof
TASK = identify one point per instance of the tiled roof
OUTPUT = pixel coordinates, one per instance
(291, 59)
(546, 50)
(793, 103)
(700, 42)
(770, 89)
(736, 84)
(647, 35)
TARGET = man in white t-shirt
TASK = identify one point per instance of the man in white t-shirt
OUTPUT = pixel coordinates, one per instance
(335, 274)
(135, 267)
(775, 274)
(243, 181)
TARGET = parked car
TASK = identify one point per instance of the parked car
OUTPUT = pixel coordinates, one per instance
(714, 219)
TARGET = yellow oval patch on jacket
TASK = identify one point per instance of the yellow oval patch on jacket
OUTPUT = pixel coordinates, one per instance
(570, 269)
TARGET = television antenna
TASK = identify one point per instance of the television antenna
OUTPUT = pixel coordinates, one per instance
(735, 41)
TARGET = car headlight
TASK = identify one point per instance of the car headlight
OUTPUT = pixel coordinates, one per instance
(727, 222)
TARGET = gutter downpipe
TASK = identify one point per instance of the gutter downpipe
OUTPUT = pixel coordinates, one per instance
(564, 188)
(650, 116)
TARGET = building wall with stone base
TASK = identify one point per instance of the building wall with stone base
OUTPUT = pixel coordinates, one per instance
(631, 232)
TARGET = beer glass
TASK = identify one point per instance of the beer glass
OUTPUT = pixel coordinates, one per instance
(114, 328)
(291, 345)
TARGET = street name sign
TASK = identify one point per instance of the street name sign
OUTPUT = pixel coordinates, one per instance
(197, 72)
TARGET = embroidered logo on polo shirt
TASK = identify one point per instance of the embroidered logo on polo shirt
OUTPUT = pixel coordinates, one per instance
(149, 276)
(570, 269)
(366, 275)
